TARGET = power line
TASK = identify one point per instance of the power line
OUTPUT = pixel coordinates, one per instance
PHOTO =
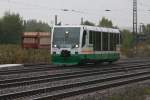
(70, 10)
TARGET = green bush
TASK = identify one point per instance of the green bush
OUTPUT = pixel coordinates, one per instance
(16, 54)
(127, 52)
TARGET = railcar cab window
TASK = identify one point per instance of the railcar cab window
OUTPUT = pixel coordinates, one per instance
(84, 38)
(66, 37)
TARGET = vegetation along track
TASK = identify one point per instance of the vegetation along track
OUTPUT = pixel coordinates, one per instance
(109, 77)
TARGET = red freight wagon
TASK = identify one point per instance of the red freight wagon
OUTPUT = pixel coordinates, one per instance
(36, 40)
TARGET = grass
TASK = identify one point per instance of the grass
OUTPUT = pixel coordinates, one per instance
(142, 50)
(15, 54)
(131, 94)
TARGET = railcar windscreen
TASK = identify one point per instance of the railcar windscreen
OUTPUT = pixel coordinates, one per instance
(66, 37)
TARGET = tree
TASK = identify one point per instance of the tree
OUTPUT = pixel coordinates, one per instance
(88, 23)
(105, 23)
(127, 39)
(0, 27)
(34, 26)
(12, 28)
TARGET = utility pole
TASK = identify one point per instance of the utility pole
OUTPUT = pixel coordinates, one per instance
(134, 16)
(82, 21)
(56, 19)
(135, 23)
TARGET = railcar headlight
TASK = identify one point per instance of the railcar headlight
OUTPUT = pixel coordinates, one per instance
(76, 46)
(55, 46)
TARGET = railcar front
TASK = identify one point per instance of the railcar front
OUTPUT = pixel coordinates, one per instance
(65, 45)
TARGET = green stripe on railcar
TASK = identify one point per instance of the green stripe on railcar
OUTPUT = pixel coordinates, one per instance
(76, 58)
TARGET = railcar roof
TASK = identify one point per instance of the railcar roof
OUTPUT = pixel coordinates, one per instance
(93, 28)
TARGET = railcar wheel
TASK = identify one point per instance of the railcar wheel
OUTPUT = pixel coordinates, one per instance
(98, 62)
(82, 62)
(110, 62)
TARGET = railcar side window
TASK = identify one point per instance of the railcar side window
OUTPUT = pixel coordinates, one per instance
(90, 37)
(105, 41)
(84, 38)
(95, 39)
(111, 42)
(99, 41)
(115, 40)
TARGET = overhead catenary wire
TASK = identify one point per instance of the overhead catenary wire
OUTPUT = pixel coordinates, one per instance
(80, 11)
(35, 7)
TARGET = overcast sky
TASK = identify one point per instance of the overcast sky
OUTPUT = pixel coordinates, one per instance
(92, 10)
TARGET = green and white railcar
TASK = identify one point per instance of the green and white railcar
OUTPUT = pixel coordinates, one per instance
(78, 44)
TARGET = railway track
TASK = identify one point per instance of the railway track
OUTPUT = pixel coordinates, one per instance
(84, 82)
(28, 68)
(22, 81)
(91, 86)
